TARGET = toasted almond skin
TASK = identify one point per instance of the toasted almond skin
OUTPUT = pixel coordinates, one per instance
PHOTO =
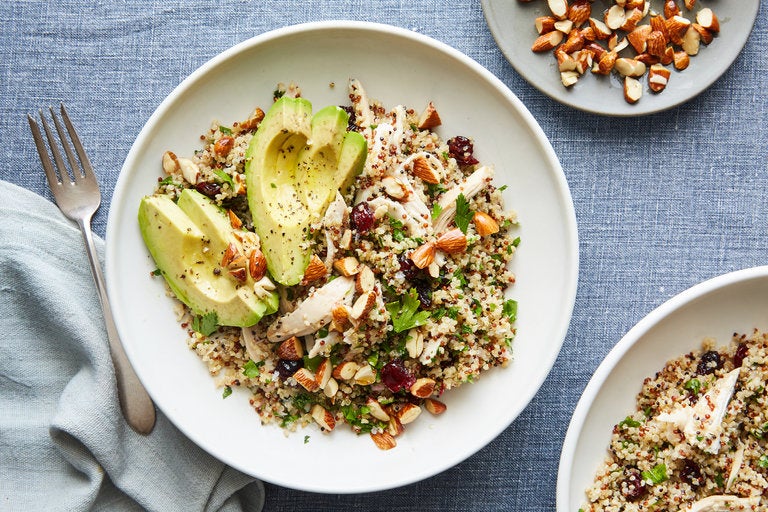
(170, 162)
(347, 266)
(705, 34)
(408, 413)
(638, 38)
(606, 63)
(676, 28)
(579, 12)
(323, 418)
(423, 387)
(707, 19)
(363, 305)
(340, 316)
(669, 56)
(631, 19)
(424, 255)
(223, 145)
(257, 265)
(681, 60)
(234, 220)
(544, 24)
(323, 373)
(345, 370)
(377, 411)
(574, 42)
(452, 241)
(306, 379)
(548, 41)
(671, 8)
(434, 406)
(384, 440)
(656, 43)
(229, 254)
(658, 77)
(689, 4)
(291, 349)
(315, 270)
(633, 90)
(252, 122)
(429, 118)
(423, 170)
(485, 224)
(395, 426)
(240, 274)
(365, 280)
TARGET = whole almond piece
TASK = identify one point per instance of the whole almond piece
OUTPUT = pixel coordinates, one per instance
(579, 12)
(548, 41)
(257, 265)
(707, 19)
(453, 241)
(408, 413)
(658, 77)
(633, 89)
(656, 43)
(383, 440)
(291, 349)
(423, 255)
(544, 24)
(434, 406)
(421, 168)
(681, 60)
(559, 8)
(315, 270)
(429, 118)
(485, 224)
(323, 418)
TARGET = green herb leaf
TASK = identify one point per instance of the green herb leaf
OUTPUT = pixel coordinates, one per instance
(166, 181)
(693, 385)
(510, 309)
(251, 368)
(277, 94)
(502, 188)
(628, 422)
(206, 324)
(398, 235)
(224, 177)
(436, 209)
(311, 363)
(405, 315)
(516, 242)
(273, 185)
(763, 461)
(463, 213)
(157, 272)
(306, 439)
(719, 479)
(227, 392)
(225, 130)
(656, 475)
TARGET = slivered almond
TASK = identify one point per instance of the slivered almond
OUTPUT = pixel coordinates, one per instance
(323, 373)
(323, 418)
(423, 387)
(421, 168)
(681, 60)
(638, 37)
(548, 41)
(345, 370)
(706, 35)
(434, 406)
(347, 266)
(423, 255)
(383, 440)
(485, 224)
(376, 409)
(707, 19)
(671, 8)
(229, 254)
(453, 241)
(633, 89)
(306, 379)
(315, 270)
(429, 118)
(365, 280)
(257, 265)
(291, 349)
(579, 12)
(408, 412)
(363, 305)
(559, 8)
(658, 77)
(544, 24)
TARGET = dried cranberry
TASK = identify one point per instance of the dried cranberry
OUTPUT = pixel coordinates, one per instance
(208, 189)
(741, 353)
(461, 149)
(709, 362)
(633, 487)
(395, 376)
(425, 293)
(286, 368)
(691, 473)
(362, 218)
(410, 271)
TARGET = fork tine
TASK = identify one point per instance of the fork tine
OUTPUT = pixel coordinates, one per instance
(86, 163)
(74, 165)
(60, 166)
(53, 179)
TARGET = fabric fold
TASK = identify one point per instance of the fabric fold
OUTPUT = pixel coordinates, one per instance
(63, 441)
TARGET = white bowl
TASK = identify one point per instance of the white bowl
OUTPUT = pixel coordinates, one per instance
(395, 66)
(732, 303)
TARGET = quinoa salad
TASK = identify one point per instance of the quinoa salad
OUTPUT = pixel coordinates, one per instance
(698, 439)
(408, 292)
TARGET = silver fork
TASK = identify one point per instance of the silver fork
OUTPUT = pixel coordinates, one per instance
(77, 196)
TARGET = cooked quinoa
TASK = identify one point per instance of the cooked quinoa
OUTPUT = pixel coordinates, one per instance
(429, 329)
(677, 452)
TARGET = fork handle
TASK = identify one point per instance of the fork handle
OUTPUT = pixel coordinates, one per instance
(135, 402)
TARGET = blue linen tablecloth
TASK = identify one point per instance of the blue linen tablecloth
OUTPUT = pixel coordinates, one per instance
(663, 201)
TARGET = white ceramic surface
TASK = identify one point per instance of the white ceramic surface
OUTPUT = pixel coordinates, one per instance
(732, 303)
(511, 22)
(471, 102)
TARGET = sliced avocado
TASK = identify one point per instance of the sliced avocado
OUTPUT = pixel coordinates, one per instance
(187, 241)
(294, 165)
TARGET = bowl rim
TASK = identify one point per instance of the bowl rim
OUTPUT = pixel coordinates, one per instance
(606, 366)
(568, 290)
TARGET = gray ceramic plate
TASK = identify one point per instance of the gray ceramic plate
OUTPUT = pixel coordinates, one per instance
(511, 23)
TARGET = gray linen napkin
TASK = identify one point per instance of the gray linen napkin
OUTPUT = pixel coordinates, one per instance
(63, 442)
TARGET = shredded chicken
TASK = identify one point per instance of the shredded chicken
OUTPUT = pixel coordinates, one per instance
(471, 185)
(724, 503)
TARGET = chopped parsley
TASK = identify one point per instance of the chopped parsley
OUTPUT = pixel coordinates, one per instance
(436, 209)
(224, 177)
(502, 188)
(225, 130)
(656, 475)
(463, 213)
(311, 363)
(306, 439)
(157, 272)
(763, 461)
(227, 392)
(693, 385)
(206, 324)
(405, 315)
(510, 309)
(166, 181)
(251, 368)
(719, 479)
(516, 241)
(277, 94)
(458, 274)
(398, 235)
(628, 422)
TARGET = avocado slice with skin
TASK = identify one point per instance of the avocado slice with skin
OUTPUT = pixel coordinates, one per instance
(295, 163)
(187, 241)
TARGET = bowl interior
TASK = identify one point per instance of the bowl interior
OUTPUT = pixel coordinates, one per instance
(397, 67)
(718, 308)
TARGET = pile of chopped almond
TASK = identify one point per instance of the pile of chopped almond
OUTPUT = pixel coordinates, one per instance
(582, 42)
